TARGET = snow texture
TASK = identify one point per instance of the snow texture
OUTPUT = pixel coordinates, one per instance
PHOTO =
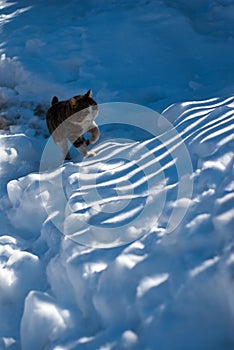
(132, 249)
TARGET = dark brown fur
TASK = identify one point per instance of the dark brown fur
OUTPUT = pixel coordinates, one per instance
(69, 120)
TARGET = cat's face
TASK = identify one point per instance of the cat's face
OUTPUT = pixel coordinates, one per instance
(85, 101)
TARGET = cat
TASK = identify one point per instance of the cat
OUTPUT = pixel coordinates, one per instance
(70, 120)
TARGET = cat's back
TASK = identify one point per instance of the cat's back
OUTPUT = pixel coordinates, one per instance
(57, 113)
(56, 107)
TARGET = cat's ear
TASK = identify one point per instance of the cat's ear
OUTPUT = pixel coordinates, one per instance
(54, 100)
(89, 93)
(72, 102)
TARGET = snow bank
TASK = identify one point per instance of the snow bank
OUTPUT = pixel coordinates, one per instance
(166, 290)
(171, 285)
(135, 296)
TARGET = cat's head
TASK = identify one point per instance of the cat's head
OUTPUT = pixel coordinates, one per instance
(85, 101)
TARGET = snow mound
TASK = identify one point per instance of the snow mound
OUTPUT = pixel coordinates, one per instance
(42, 313)
(152, 285)
(20, 272)
(132, 297)
(18, 156)
(12, 72)
(215, 18)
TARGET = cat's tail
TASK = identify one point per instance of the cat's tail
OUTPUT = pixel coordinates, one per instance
(54, 100)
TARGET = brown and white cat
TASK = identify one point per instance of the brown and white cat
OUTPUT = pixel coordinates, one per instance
(70, 120)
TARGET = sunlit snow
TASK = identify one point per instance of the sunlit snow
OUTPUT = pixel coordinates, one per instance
(133, 248)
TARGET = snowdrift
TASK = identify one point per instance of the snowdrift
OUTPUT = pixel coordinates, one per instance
(180, 283)
(132, 249)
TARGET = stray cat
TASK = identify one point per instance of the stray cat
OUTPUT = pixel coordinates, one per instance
(70, 120)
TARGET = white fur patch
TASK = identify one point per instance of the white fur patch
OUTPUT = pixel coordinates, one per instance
(84, 124)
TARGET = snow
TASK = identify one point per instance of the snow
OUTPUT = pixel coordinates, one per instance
(46, 316)
(133, 248)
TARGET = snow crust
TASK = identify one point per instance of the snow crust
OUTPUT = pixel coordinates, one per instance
(160, 289)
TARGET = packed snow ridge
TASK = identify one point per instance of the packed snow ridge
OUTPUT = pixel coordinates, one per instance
(66, 295)
(133, 248)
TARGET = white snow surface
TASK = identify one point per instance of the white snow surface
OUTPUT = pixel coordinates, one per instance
(160, 289)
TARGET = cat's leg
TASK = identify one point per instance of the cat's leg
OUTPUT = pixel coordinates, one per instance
(95, 133)
(81, 145)
(64, 147)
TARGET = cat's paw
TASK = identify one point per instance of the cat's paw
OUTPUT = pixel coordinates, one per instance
(68, 157)
(90, 154)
